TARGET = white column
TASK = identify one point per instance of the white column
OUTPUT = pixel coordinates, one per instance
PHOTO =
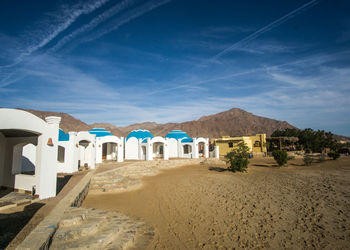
(98, 150)
(120, 150)
(206, 148)
(216, 148)
(166, 149)
(139, 148)
(72, 153)
(92, 159)
(180, 149)
(47, 159)
(195, 153)
(149, 150)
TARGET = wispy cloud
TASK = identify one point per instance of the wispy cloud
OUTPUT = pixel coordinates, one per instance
(117, 8)
(127, 17)
(53, 31)
(266, 28)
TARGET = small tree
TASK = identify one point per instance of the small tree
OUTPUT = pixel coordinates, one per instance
(308, 160)
(281, 157)
(238, 158)
(334, 155)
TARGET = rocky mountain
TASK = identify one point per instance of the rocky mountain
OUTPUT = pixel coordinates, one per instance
(68, 122)
(233, 122)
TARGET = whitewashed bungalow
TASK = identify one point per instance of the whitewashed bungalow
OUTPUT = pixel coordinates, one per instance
(28, 152)
(133, 144)
(182, 146)
(108, 146)
(154, 148)
(85, 142)
(68, 152)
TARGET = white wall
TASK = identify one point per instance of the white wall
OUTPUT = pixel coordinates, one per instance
(132, 149)
(173, 148)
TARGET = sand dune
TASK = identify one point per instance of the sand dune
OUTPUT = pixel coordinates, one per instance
(295, 207)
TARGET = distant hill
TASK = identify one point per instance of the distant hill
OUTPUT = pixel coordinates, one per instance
(233, 122)
(68, 122)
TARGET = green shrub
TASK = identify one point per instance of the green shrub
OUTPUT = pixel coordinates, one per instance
(334, 155)
(238, 158)
(281, 157)
(308, 160)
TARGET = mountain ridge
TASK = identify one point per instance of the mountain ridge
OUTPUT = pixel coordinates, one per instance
(233, 122)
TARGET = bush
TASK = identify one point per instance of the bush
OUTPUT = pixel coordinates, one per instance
(238, 158)
(334, 155)
(281, 157)
(308, 160)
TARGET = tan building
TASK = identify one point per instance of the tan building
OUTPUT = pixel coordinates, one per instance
(256, 144)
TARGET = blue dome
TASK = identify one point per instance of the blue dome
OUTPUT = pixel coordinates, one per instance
(100, 132)
(187, 140)
(62, 136)
(140, 134)
(177, 134)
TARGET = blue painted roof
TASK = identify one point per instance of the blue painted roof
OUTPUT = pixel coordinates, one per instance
(177, 134)
(187, 140)
(100, 132)
(140, 134)
(62, 136)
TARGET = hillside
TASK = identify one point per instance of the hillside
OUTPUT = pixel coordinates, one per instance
(234, 122)
(68, 122)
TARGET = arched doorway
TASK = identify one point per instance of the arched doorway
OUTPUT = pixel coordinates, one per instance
(201, 146)
(110, 151)
(84, 153)
(158, 150)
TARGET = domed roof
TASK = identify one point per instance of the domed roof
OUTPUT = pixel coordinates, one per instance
(140, 134)
(100, 132)
(62, 136)
(177, 134)
(187, 140)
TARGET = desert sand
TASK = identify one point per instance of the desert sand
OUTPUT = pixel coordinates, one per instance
(200, 206)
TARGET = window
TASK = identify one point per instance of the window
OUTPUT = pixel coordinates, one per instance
(230, 144)
(187, 149)
(60, 154)
(257, 144)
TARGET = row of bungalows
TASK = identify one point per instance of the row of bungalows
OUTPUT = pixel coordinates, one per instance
(33, 150)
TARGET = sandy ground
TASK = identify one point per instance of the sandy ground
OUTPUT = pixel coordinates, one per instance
(294, 207)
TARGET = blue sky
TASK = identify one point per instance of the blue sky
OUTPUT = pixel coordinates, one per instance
(171, 61)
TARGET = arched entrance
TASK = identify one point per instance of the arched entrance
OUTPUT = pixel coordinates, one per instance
(158, 150)
(109, 151)
(28, 152)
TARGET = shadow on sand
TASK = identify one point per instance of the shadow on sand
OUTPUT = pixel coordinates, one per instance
(218, 169)
(266, 165)
(11, 224)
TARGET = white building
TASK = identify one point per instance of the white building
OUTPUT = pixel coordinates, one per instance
(68, 152)
(133, 144)
(85, 142)
(182, 146)
(28, 152)
(108, 146)
(142, 145)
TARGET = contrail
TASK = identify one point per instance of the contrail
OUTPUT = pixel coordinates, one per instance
(132, 14)
(94, 22)
(85, 9)
(267, 28)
